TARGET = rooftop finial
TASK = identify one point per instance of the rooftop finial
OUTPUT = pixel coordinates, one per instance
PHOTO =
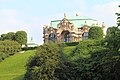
(77, 14)
(103, 25)
(97, 23)
(85, 22)
(64, 15)
(31, 39)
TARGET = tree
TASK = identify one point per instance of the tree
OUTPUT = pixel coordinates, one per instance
(113, 38)
(118, 19)
(112, 30)
(3, 37)
(10, 36)
(95, 33)
(21, 37)
(43, 64)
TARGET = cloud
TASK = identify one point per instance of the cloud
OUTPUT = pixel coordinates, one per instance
(106, 13)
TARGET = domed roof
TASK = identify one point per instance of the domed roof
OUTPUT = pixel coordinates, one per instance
(78, 21)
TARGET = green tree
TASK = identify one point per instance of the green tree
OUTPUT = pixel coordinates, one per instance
(113, 38)
(118, 19)
(3, 37)
(10, 36)
(112, 30)
(44, 63)
(95, 33)
(21, 37)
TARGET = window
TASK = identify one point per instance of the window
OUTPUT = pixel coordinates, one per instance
(52, 37)
(85, 35)
(67, 37)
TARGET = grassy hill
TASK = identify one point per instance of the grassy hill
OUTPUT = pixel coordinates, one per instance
(13, 67)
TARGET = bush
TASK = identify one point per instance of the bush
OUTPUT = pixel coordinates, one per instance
(3, 56)
(72, 44)
(85, 47)
(28, 48)
(50, 63)
(7, 48)
(90, 60)
(43, 64)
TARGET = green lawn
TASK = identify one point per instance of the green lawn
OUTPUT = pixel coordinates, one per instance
(68, 49)
(13, 67)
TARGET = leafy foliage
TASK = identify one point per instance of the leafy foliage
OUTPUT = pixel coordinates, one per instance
(85, 47)
(95, 33)
(3, 37)
(105, 65)
(113, 38)
(50, 63)
(8, 47)
(10, 36)
(43, 64)
(21, 37)
(118, 18)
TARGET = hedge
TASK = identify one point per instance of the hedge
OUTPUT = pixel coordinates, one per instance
(8, 47)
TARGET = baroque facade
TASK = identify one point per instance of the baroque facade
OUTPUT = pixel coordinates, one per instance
(68, 29)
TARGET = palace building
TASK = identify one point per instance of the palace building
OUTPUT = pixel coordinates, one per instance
(69, 29)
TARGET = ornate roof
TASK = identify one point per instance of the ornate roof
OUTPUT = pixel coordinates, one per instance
(78, 21)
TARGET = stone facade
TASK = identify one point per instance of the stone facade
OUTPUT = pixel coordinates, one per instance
(66, 32)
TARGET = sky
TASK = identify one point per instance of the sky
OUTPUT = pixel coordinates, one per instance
(32, 15)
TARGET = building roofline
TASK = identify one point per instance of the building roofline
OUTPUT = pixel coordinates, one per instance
(73, 20)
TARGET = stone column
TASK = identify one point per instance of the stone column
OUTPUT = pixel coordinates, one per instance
(46, 38)
(72, 37)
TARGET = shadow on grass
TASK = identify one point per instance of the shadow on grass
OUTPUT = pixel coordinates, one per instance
(20, 77)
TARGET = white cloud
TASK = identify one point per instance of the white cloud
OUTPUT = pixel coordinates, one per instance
(106, 13)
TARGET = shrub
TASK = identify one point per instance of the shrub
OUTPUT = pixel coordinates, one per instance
(3, 56)
(84, 49)
(8, 47)
(49, 63)
(72, 44)
(43, 64)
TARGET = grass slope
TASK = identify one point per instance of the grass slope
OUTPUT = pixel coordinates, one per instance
(13, 67)
(68, 49)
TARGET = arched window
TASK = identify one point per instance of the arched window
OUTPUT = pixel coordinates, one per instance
(85, 35)
(67, 37)
(52, 37)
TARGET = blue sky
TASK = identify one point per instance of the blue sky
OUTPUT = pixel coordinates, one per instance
(32, 15)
